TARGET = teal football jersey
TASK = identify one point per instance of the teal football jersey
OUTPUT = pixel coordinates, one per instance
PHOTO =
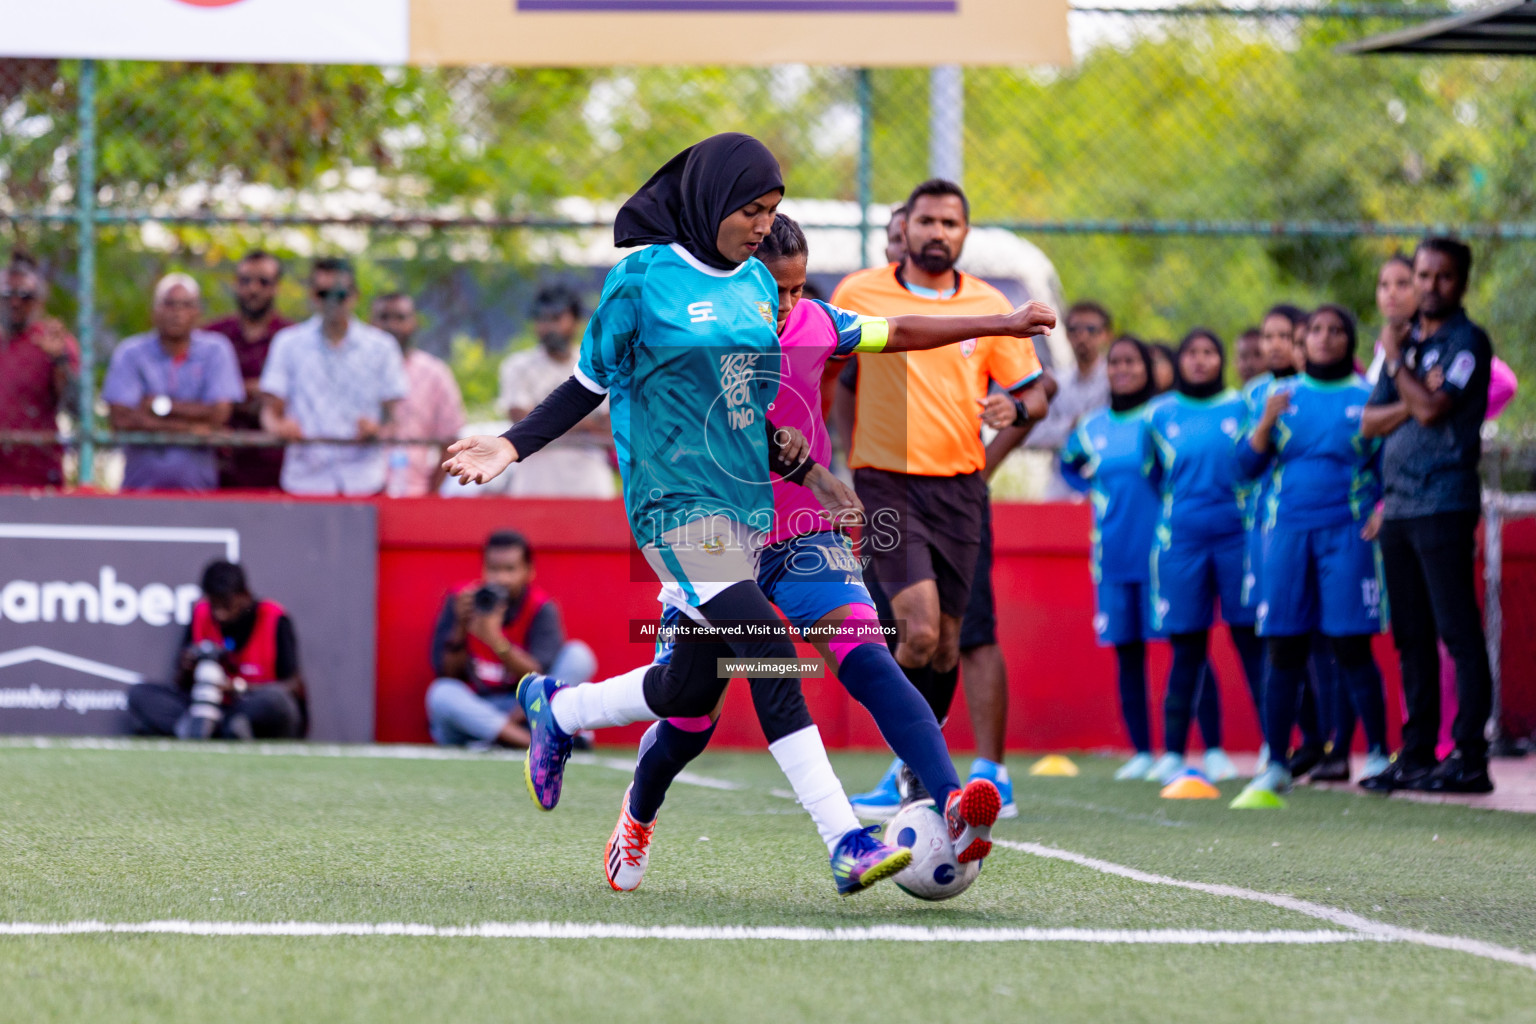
(689, 357)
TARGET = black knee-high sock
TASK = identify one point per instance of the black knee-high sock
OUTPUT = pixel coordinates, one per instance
(871, 676)
(665, 750)
(1310, 718)
(1282, 692)
(1251, 652)
(1208, 707)
(1132, 658)
(943, 684)
(1360, 676)
(1183, 682)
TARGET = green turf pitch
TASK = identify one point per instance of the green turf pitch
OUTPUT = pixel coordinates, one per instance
(150, 835)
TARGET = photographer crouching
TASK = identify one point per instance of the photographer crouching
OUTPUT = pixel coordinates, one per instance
(490, 633)
(237, 676)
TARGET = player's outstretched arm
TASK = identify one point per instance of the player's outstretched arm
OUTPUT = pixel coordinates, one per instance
(915, 333)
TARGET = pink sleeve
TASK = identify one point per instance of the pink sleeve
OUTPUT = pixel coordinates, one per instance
(1502, 385)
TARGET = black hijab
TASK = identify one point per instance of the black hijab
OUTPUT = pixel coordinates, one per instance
(686, 200)
(1215, 385)
(1125, 403)
(1345, 364)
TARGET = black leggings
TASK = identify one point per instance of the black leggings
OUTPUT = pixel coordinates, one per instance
(1288, 657)
(1192, 678)
(689, 686)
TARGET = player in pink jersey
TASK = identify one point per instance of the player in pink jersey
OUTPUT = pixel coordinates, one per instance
(809, 570)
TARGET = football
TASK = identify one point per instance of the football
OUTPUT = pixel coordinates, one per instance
(934, 874)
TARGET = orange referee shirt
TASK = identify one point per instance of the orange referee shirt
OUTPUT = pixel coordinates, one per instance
(917, 411)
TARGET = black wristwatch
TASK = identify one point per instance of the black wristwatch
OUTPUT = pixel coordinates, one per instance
(1020, 413)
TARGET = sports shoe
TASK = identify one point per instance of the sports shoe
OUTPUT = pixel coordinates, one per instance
(1136, 768)
(911, 787)
(1458, 774)
(1334, 767)
(1398, 774)
(1263, 761)
(1303, 759)
(884, 800)
(970, 813)
(548, 747)
(1218, 766)
(861, 860)
(629, 850)
(1265, 790)
(996, 774)
(1165, 768)
(1376, 762)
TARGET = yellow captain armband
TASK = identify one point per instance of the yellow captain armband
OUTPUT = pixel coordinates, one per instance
(874, 332)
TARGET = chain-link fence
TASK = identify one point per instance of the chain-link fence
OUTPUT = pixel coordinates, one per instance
(1193, 166)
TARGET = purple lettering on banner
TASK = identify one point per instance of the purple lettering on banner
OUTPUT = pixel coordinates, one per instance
(745, 6)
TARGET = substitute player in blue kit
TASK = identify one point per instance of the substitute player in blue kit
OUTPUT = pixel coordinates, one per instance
(1106, 456)
(1197, 557)
(1319, 572)
(684, 342)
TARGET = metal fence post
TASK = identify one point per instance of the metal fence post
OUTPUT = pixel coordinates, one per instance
(85, 229)
(866, 162)
(946, 121)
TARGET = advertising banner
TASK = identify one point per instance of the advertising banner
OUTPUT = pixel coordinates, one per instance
(849, 33)
(96, 595)
(267, 31)
(569, 33)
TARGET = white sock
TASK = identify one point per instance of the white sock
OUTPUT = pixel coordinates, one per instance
(609, 702)
(803, 760)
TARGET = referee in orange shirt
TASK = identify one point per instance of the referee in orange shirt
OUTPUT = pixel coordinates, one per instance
(916, 453)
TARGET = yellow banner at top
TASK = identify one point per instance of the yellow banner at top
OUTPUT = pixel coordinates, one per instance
(858, 33)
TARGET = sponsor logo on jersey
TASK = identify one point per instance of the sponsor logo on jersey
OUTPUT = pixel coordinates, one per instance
(1431, 358)
(767, 312)
(1461, 369)
(1229, 426)
(701, 312)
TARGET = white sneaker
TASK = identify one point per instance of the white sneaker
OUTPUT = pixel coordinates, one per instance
(1218, 766)
(1167, 766)
(629, 850)
(1136, 768)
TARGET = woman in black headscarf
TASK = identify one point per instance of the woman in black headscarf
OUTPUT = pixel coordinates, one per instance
(684, 341)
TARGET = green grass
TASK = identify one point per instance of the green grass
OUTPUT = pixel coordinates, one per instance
(143, 834)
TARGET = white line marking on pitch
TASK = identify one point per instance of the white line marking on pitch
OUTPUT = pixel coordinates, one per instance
(1333, 915)
(689, 933)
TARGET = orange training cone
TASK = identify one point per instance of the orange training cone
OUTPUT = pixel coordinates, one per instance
(1190, 785)
(1054, 764)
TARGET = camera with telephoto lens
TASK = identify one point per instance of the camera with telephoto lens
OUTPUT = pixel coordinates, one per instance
(209, 684)
(488, 596)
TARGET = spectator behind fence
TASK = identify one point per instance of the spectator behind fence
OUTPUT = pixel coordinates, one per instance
(433, 407)
(39, 361)
(578, 465)
(332, 377)
(250, 330)
(1082, 388)
(174, 379)
(490, 633)
(1429, 405)
(237, 677)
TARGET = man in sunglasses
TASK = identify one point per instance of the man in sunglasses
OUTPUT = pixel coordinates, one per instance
(39, 361)
(250, 329)
(332, 378)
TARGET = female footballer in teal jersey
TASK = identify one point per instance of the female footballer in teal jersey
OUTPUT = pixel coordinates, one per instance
(1319, 572)
(684, 342)
(1197, 558)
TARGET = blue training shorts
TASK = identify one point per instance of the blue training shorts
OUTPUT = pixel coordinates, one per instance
(1187, 580)
(809, 576)
(1253, 562)
(1325, 580)
(1124, 613)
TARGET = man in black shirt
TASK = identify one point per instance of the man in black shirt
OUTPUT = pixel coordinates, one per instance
(1429, 405)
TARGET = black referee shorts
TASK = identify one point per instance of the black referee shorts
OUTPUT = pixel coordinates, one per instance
(979, 627)
(923, 528)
